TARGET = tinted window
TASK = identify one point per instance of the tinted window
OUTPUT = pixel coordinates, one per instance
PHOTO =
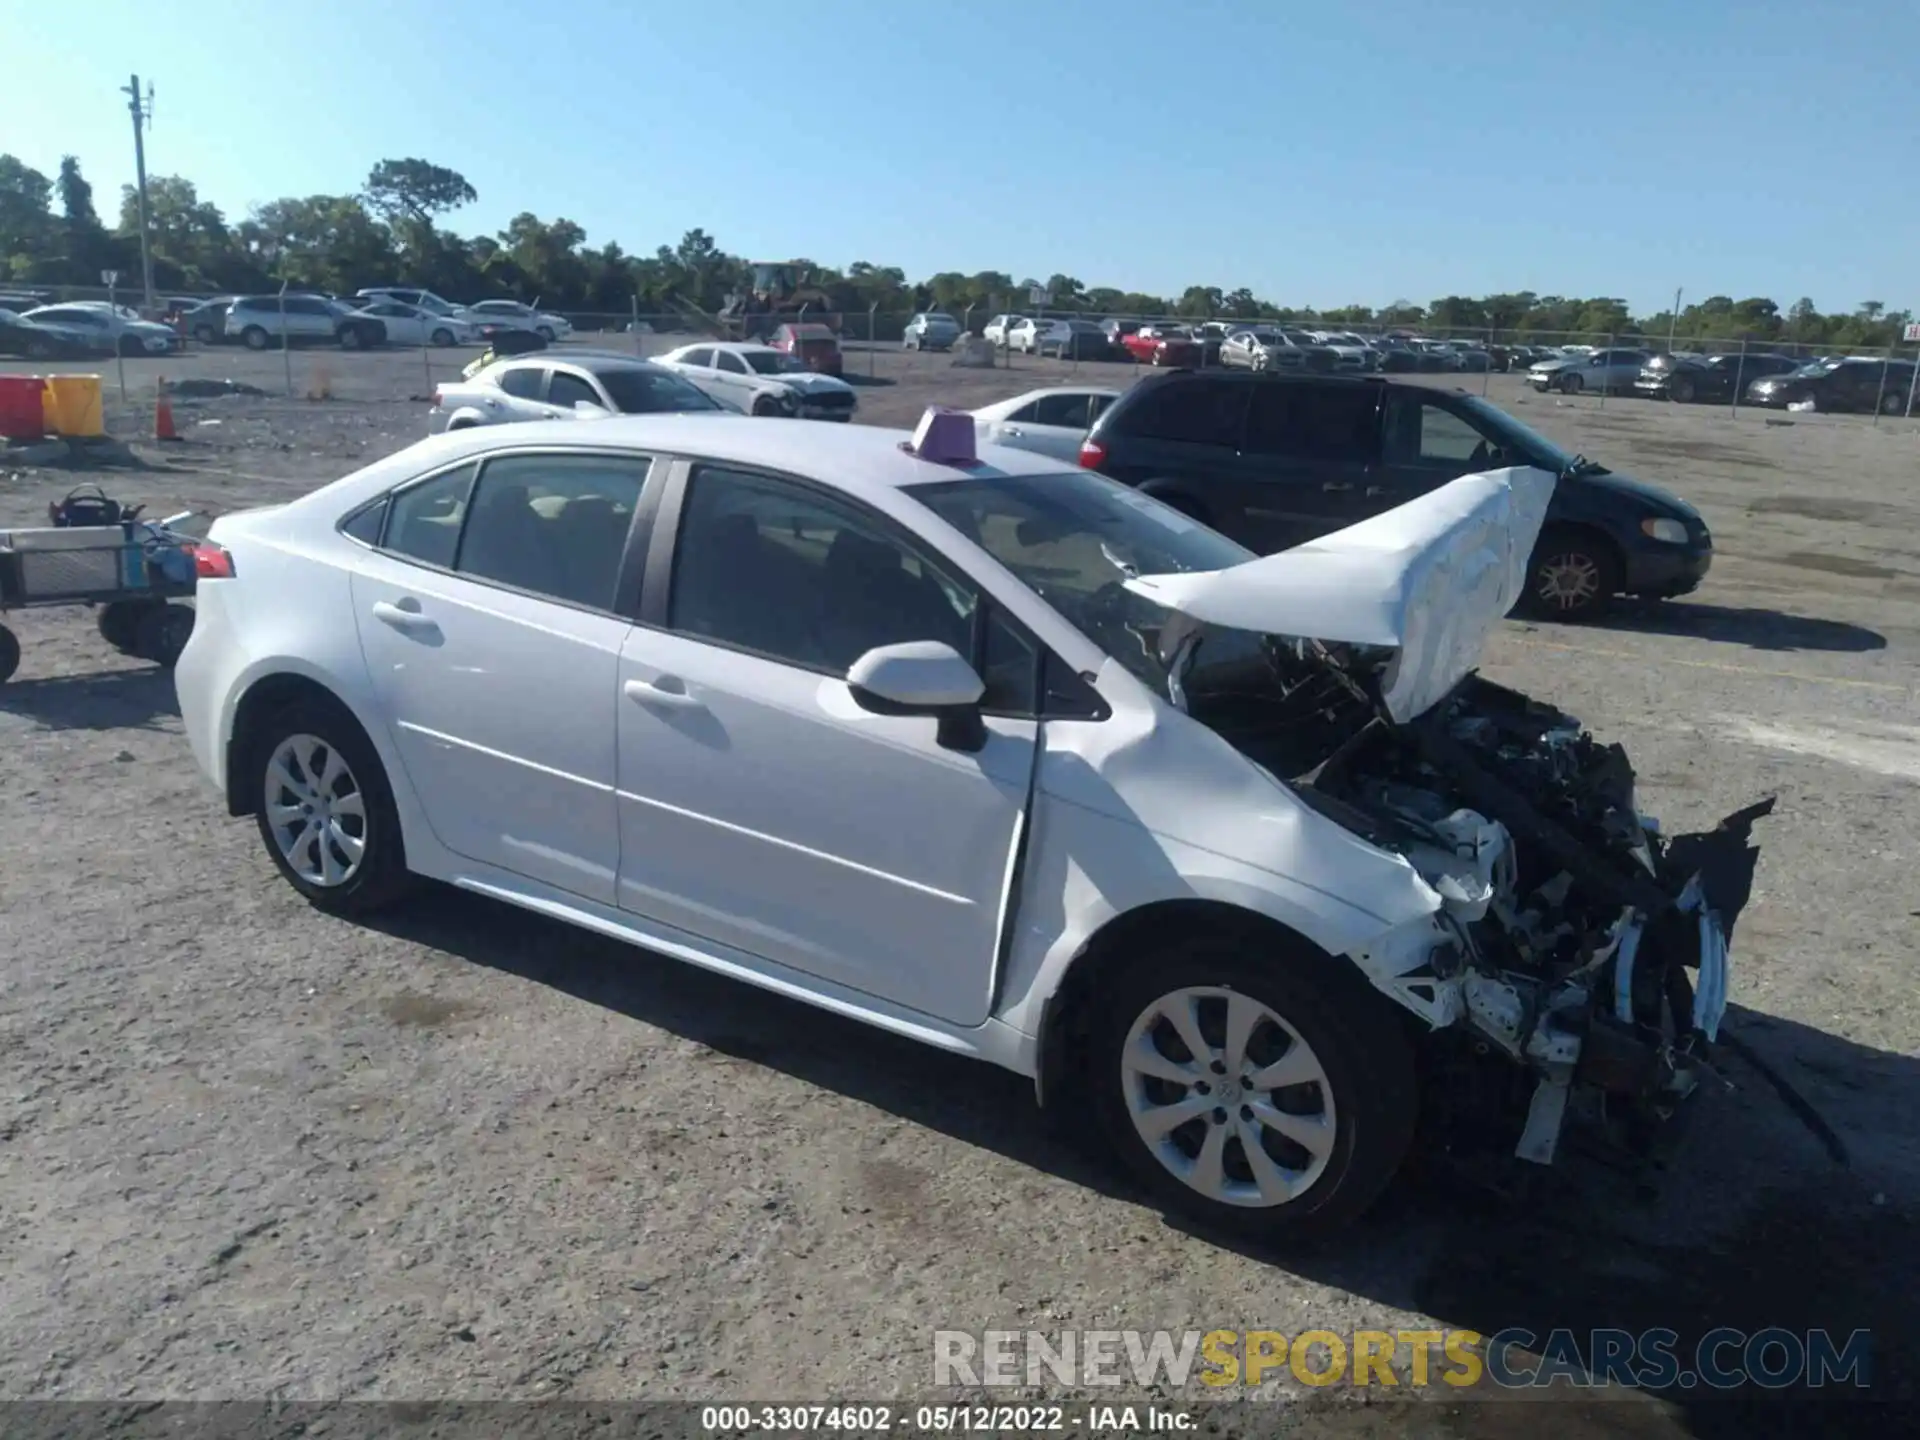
(1025, 415)
(1421, 430)
(732, 363)
(1312, 422)
(1196, 412)
(523, 381)
(652, 392)
(365, 527)
(553, 524)
(426, 518)
(305, 306)
(702, 358)
(1098, 406)
(1067, 410)
(567, 391)
(782, 571)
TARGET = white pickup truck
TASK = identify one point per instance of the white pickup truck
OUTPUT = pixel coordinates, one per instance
(581, 387)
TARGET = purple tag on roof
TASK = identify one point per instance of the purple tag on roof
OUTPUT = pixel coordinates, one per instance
(945, 437)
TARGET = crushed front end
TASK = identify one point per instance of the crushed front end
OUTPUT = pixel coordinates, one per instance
(1575, 944)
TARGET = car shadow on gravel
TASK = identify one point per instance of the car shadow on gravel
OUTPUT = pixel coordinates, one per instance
(867, 382)
(1756, 1225)
(1752, 626)
(115, 700)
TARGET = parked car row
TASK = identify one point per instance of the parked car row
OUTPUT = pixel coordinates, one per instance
(708, 377)
(81, 329)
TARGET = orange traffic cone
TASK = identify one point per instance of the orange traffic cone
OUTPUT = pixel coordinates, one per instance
(163, 415)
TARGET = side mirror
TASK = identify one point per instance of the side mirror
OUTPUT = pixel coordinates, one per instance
(923, 677)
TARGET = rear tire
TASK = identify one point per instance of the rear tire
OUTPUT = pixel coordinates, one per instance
(351, 338)
(1297, 1109)
(255, 337)
(1572, 384)
(1681, 390)
(323, 792)
(9, 654)
(442, 338)
(1893, 402)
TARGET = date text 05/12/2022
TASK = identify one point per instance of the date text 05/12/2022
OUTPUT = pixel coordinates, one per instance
(1089, 1419)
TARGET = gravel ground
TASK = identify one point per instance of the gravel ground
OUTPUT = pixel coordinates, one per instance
(251, 1151)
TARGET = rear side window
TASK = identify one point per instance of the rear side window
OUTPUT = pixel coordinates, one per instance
(554, 525)
(1193, 412)
(424, 519)
(1313, 422)
(702, 359)
(1066, 410)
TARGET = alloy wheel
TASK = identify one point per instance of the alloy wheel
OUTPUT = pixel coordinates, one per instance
(316, 811)
(1569, 581)
(1228, 1097)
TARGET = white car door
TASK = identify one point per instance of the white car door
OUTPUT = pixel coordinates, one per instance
(487, 614)
(760, 806)
(697, 366)
(734, 378)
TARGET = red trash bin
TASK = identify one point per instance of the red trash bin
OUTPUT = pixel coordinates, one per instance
(23, 414)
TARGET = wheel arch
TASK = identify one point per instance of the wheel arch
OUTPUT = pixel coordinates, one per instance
(264, 697)
(1062, 1034)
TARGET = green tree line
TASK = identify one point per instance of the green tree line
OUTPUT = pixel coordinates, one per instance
(393, 231)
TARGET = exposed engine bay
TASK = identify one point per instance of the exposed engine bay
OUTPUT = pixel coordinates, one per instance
(1572, 936)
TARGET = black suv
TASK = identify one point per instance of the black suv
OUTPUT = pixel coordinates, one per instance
(1275, 460)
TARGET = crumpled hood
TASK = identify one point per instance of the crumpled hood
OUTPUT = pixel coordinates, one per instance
(811, 382)
(1430, 578)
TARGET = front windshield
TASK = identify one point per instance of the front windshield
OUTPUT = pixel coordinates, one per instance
(1518, 439)
(653, 392)
(1074, 538)
(771, 362)
(1820, 366)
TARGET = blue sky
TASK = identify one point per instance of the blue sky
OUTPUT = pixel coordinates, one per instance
(1318, 153)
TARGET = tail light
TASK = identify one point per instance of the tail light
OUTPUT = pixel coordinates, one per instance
(212, 562)
(1092, 454)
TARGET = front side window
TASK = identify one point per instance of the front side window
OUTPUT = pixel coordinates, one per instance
(567, 391)
(1069, 411)
(779, 570)
(732, 363)
(1422, 432)
(700, 359)
(523, 381)
(555, 525)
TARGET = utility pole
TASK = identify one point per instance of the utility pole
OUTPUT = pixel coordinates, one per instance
(1673, 321)
(141, 108)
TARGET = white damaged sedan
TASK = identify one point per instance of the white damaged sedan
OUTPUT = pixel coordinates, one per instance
(1235, 856)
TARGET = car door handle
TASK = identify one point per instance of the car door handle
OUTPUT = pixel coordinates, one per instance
(405, 617)
(1376, 489)
(667, 692)
(1337, 485)
(1011, 430)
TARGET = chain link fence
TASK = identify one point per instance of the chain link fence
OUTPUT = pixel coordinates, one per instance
(1586, 367)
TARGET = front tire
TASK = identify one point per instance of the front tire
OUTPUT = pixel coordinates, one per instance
(766, 407)
(351, 339)
(442, 338)
(1572, 384)
(1681, 390)
(545, 332)
(326, 813)
(1573, 575)
(1274, 1096)
(255, 337)
(1893, 402)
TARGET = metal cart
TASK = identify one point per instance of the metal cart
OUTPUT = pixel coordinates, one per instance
(101, 554)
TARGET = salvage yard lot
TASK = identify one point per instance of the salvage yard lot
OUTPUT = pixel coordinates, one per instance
(249, 1149)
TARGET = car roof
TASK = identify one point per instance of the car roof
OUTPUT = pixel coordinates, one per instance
(862, 460)
(595, 360)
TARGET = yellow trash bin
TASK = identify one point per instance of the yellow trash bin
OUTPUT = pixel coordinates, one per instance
(72, 405)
